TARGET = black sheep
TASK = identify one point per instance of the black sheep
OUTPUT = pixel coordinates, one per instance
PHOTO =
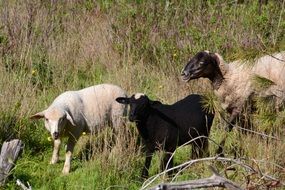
(168, 126)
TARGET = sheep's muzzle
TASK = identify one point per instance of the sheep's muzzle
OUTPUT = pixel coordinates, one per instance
(55, 135)
(185, 76)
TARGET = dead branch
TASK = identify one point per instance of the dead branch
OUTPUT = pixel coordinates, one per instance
(190, 163)
(263, 135)
(186, 165)
(8, 157)
(214, 181)
(187, 143)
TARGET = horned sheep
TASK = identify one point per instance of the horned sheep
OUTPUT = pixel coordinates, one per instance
(234, 83)
(75, 112)
(168, 126)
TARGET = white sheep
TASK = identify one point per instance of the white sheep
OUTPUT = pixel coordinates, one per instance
(234, 83)
(86, 110)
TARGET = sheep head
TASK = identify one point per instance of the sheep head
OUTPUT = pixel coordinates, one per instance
(203, 64)
(139, 103)
(55, 120)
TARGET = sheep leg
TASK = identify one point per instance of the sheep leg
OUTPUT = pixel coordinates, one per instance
(148, 157)
(68, 155)
(233, 118)
(204, 148)
(55, 153)
(196, 150)
(167, 162)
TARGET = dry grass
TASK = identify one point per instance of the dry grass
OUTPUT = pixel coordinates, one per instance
(48, 47)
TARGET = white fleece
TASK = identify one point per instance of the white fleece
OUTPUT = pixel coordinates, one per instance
(238, 83)
(74, 112)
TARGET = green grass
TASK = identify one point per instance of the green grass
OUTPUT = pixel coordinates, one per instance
(47, 48)
(261, 83)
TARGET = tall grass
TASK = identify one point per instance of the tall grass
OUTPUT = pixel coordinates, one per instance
(48, 47)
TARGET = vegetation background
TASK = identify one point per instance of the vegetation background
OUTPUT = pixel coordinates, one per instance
(50, 46)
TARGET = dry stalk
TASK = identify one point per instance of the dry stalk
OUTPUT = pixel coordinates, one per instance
(185, 144)
(279, 21)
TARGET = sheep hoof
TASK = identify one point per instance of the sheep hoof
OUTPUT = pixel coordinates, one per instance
(65, 172)
(144, 175)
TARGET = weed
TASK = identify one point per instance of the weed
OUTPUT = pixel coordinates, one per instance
(48, 47)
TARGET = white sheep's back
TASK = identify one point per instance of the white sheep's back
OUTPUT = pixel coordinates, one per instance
(99, 103)
(271, 67)
(67, 100)
(239, 79)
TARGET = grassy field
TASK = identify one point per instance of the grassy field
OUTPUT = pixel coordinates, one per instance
(48, 47)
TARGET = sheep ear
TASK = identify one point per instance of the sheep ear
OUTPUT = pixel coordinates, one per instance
(69, 118)
(217, 57)
(221, 63)
(123, 100)
(38, 115)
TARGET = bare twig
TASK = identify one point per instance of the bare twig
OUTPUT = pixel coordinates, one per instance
(248, 130)
(237, 162)
(187, 143)
(259, 133)
(272, 163)
(186, 165)
(264, 50)
(191, 162)
(214, 181)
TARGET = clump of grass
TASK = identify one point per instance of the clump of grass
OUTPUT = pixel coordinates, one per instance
(211, 103)
(50, 47)
(267, 117)
(261, 83)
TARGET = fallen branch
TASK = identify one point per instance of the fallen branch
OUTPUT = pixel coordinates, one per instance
(8, 157)
(214, 181)
(191, 162)
(186, 165)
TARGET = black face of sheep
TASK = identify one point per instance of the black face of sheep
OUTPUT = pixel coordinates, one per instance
(203, 64)
(138, 105)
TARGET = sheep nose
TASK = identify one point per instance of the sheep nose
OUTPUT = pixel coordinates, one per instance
(184, 73)
(55, 135)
